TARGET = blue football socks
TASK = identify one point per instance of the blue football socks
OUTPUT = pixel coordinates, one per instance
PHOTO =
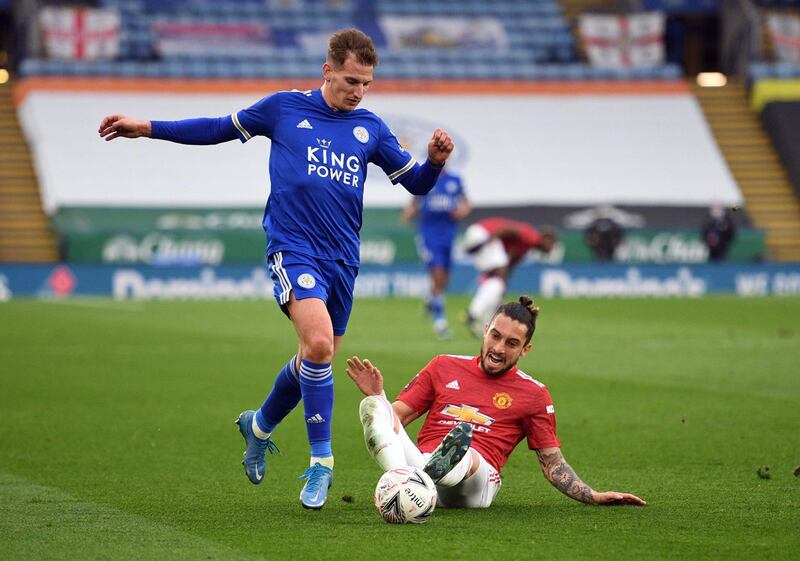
(316, 384)
(436, 306)
(284, 397)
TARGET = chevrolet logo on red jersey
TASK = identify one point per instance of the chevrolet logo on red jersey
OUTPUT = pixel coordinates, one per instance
(467, 413)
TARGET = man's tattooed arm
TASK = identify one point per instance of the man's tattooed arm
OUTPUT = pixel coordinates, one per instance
(562, 476)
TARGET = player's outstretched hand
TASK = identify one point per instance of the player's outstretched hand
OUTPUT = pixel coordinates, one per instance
(366, 376)
(440, 147)
(613, 498)
(119, 125)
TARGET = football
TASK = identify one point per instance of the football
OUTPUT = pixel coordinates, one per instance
(405, 495)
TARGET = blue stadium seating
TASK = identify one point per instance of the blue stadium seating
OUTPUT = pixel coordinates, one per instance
(541, 43)
(780, 70)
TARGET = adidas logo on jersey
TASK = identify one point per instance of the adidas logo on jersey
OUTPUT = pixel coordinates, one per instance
(304, 124)
(453, 385)
(315, 419)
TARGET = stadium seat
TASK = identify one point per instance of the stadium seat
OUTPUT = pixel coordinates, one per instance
(541, 44)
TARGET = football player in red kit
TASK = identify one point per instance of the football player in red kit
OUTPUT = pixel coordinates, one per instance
(496, 246)
(478, 410)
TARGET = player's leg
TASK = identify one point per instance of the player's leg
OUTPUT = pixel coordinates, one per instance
(439, 279)
(284, 397)
(485, 301)
(449, 463)
(295, 280)
(426, 257)
(315, 331)
(476, 489)
(257, 427)
(320, 330)
(385, 437)
(491, 260)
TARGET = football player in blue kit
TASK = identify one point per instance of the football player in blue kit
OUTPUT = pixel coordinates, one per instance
(321, 145)
(438, 214)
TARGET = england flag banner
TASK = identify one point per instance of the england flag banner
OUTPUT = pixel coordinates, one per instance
(621, 41)
(784, 31)
(80, 33)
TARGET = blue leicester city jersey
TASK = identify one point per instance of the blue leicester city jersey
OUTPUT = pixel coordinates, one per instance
(436, 223)
(317, 168)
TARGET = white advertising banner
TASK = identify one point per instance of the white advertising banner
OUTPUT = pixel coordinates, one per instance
(511, 150)
(409, 32)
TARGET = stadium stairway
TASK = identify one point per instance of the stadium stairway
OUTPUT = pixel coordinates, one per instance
(755, 165)
(25, 233)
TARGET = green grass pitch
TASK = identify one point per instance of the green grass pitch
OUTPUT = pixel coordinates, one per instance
(118, 442)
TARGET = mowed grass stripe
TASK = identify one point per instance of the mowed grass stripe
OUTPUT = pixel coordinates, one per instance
(44, 523)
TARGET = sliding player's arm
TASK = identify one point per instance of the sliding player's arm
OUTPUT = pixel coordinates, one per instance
(369, 380)
(404, 412)
(561, 475)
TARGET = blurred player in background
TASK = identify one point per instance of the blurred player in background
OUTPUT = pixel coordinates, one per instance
(603, 236)
(478, 410)
(438, 214)
(321, 145)
(718, 232)
(497, 245)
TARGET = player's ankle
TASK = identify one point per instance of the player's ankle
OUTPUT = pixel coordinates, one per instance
(326, 461)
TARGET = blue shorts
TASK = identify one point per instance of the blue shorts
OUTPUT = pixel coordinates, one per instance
(435, 254)
(332, 282)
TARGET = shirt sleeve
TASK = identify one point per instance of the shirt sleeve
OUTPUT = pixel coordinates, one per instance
(200, 132)
(259, 119)
(418, 393)
(540, 425)
(390, 156)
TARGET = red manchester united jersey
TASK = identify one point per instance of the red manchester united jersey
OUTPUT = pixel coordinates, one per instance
(501, 409)
(518, 237)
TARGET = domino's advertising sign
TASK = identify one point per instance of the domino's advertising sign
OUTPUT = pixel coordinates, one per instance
(246, 282)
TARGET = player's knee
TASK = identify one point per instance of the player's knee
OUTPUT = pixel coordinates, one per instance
(367, 409)
(375, 411)
(318, 348)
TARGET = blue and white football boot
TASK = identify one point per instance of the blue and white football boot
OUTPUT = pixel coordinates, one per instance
(315, 492)
(255, 457)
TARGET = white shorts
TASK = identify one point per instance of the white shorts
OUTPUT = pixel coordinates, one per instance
(477, 491)
(491, 255)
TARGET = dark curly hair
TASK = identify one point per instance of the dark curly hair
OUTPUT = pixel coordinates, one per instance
(523, 311)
